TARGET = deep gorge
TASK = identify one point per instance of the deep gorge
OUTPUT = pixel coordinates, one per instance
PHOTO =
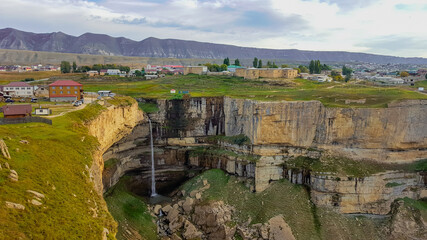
(185, 144)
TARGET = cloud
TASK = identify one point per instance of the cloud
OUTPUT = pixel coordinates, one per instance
(345, 25)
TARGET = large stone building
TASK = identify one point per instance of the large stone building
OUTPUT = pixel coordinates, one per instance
(255, 73)
(195, 70)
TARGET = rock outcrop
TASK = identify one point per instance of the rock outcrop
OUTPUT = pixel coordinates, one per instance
(109, 127)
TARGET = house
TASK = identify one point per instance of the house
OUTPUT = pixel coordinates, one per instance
(232, 68)
(195, 70)
(65, 91)
(102, 72)
(256, 73)
(43, 111)
(41, 91)
(104, 93)
(16, 111)
(113, 72)
(92, 73)
(19, 89)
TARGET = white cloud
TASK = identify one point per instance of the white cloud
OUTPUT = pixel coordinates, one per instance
(349, 25)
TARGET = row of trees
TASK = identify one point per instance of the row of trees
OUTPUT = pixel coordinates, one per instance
(215, 67)
(316, 67)
(227, 62)
(66, 67)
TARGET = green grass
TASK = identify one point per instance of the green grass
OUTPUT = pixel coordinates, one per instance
(338, 165)
(121, 101)
(54, 163)
(282, 197)
(421, 84)
(148, 107)
(110, 163)
(330, 94)
(130, 211)
(393, 184)
(219, 152)
(238, 139)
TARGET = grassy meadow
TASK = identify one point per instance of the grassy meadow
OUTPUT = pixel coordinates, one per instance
(330, 94)
(7, 77)
(55, 163)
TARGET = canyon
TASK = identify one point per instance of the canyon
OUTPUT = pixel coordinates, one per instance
(264, 142)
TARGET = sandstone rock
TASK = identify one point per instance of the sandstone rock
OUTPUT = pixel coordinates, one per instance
(166, 209)
(15, 205)
(212, 219)
(105, 233)
(193, 193)
(6, 164)
(24, 142)
(157, 209)
(205, 182)
(183, 192)
(407, 223)
(198, 196)
(13, 175)
(0, 167)
(175, 219)
(175, 237)
(4, 149)
(279, 229)
(37, 194)
(190, 231)
(35, 202)
(188, 205)
(263, 231)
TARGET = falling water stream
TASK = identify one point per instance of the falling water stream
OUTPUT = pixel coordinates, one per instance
(153, 177)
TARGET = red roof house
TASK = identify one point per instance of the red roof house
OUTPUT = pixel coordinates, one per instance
(16, 111)
(65, 91)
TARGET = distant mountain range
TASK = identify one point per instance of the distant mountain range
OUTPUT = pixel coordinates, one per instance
(100, 44)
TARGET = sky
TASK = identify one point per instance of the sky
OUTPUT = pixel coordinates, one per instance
(389, 27)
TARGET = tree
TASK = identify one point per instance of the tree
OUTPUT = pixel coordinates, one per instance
(138, 73)
(237, 62)
(285, 65)
(335, 73)
(74, 66)
(346, 71)
(227, 61)
(303, 69)
(404, 74)
(326, 67)
(65, 67)
(223, 67)
(269, 65)
(260, 64)
(311, 67)
(124, 68)
(317, 67)
(347, 77)
(255, 62)
(84, 68)
(426, 76)
(274, 65)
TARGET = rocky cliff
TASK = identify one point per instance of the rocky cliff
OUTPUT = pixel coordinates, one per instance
(109, 127)
(397, 133)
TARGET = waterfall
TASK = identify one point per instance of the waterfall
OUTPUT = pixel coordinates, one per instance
(153, 177)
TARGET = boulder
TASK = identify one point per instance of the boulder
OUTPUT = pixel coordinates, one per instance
(166, 209)
(37, 194)
(4, 149)
(156, 209)
(279, 229)
(188, 205)
(205, 182)
(190, 231)
(35, 202)
(15, 205)
(175, 220)
(13, 175)
(198, 196)
(6, 164)
(24, 142)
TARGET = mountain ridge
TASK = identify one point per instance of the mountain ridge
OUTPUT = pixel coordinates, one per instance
(102, 44)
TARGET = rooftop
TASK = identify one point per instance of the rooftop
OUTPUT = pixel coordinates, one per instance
(16, 109)
(65, 83)
(18, 84)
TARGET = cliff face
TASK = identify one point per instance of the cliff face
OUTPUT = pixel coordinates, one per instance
(109, 127)
(394, 134)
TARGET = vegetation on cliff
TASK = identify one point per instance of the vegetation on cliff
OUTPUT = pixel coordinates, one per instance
(53, 160)
(282, 197)
(131, 212)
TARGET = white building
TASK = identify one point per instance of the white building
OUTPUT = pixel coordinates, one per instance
(113, 72)
(19, 89)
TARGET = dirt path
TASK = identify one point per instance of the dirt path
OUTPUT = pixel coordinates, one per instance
(71, 110)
